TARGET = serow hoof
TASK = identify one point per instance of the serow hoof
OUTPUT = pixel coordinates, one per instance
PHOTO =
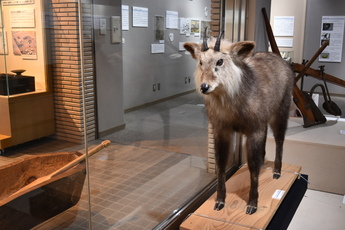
(218, 206)
(276, 175)
(251, 209)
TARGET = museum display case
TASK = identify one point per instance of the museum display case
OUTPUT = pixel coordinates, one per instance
(26, 98)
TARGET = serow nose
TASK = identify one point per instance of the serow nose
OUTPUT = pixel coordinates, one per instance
(204, 87)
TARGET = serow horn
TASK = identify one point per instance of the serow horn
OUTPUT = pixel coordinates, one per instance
(217, 45)
(205, 47)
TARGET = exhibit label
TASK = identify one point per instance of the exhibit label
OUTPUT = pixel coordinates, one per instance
(332, 29)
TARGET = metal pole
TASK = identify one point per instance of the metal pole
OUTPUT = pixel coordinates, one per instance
(81, 50)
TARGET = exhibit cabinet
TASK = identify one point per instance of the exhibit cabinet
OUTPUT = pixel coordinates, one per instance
(26, 98)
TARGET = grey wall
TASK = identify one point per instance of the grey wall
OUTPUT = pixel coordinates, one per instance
(315, 10)
(141, 69)
(108, 64)
(255, 28)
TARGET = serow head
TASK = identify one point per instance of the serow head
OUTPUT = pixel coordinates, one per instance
(218, 65)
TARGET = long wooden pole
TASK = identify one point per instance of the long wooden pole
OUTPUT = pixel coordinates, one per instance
(270, 35)
(81, 158)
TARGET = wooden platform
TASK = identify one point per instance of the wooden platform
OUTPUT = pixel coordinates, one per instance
(233, 216)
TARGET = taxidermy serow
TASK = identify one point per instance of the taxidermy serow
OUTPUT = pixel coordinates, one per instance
(244, 92)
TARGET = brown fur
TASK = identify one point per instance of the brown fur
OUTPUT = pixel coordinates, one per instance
(243, 92)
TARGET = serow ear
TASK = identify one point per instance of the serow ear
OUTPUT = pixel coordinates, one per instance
(193, 48)
(243, 49)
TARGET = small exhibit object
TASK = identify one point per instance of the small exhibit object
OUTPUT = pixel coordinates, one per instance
(102, 26)
(16, 84)
(116, 33)
(171, 37)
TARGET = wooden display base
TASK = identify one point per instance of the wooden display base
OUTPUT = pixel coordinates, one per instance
(233, 215)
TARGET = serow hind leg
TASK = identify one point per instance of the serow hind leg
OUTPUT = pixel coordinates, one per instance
(279, 127)
(222, 143)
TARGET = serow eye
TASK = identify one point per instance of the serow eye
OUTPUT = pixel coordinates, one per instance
(219, 62)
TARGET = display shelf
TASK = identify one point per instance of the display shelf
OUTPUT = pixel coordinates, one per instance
(26, 117)
(233, 215)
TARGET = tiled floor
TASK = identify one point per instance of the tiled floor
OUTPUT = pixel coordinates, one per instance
(153, 166)
(134, 188)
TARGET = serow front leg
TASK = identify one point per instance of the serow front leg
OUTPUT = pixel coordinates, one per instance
(222, 143)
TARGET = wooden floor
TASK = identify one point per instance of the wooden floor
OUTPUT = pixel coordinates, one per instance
(233, 216)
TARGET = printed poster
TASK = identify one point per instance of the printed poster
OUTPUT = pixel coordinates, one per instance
(185, 26)
(24, 44)
(140, 16)
(172, 19)
(332, 29)
(195, 27)
(125, 17)
(284, 25)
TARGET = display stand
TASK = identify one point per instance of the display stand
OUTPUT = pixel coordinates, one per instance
(233, 216)
(25, 117)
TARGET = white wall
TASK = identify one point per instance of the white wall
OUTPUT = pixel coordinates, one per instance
(296, 8)
(141, 69)
(108, 68)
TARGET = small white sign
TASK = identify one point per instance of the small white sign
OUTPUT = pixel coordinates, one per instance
(17, 2)
(284, 42)
(180, 46)
(22, 17)
(278, 194)
(157, 48)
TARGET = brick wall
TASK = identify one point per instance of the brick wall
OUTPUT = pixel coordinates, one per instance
(215, 17)
(215, 29)
(66, 70)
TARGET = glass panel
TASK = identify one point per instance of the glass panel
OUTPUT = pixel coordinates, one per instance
(95, 80)
(3, 52)
(41, 126)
